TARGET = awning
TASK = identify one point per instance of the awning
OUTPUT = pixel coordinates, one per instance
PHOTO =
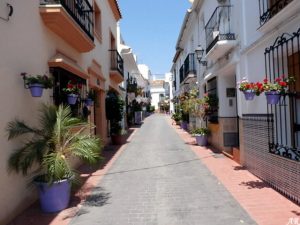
(59, 60)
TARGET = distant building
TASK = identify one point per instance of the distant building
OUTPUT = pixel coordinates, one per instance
(157, 89)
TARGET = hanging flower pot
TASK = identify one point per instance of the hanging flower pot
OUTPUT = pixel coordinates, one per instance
(273, 97)
(36, 90)
(89, 102)
(72, 99)
(249, 95)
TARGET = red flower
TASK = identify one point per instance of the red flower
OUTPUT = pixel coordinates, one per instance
(70, 86)
(283, 83)
(265, 80)
(79, 86)
(278, 79)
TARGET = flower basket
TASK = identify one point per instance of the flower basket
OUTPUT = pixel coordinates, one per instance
(36, 90)
(72, 99)
(249, 95)
(273, 97)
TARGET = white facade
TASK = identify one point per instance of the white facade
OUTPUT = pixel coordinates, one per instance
(31, 42)
(157, 92)
(261, 42)
(169, 80)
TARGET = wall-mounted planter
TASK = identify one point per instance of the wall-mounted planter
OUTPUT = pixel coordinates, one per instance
(89, 102)
(36, 90)
(249, 95)
(273, 97)
(72, 99)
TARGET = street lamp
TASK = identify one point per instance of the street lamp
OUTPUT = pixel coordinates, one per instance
(199, 54)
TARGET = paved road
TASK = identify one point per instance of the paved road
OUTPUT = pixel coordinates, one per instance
(158, 180)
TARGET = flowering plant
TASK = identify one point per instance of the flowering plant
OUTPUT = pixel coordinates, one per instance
(37, 79)
(72, 87)
(245, 85)
(280, 85)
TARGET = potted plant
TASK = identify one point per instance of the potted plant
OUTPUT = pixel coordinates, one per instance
(91, 96)
(250, 89)
(49, 148)
(273, 91)
(177, 118)
(114, 106)
(201, 135)
(117, 133)
(36, 84)
(72, 90)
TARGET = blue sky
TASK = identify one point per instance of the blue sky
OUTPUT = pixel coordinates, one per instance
(151, 28)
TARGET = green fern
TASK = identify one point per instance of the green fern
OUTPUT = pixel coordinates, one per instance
(58, 138)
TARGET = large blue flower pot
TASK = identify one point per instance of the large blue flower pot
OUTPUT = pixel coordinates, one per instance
(54, 197)
(36, 90)
(201, 140)
(273, 97)
(72, 99)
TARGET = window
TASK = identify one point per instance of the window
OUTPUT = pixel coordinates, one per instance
(61, 79)
(282, 58)
(98, 23)
(213, 102)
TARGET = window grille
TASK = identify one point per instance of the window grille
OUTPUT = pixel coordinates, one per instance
(61, 79)
(282, 58)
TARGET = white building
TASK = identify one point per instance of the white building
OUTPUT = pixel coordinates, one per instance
(252, 39)
(157, 92)
(67, 43)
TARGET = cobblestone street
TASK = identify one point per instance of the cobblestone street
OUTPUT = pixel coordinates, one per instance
(159, 180)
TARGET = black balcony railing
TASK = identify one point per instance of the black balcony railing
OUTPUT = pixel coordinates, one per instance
(189, 65)
(117, 62)
(218, 27)
(181, 74)
(269, 8)
(80, 10)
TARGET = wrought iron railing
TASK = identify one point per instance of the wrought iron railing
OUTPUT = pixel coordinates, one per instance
(80, 10)
(282, 58)
(181, 74)
(269, 8)
(117, 62)
(218, 27)
(189, 65)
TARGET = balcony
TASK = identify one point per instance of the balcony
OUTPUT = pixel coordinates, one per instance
(274, 12)
(219, 36)
(188, 69)
(181, 74)
(71, 20)
(116, 67)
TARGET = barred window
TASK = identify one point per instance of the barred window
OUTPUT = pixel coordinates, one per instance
(61, 79)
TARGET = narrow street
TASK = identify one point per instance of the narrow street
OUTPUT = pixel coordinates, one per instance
(158, 180)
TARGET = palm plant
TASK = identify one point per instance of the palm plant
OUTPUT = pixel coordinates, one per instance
(50, 146)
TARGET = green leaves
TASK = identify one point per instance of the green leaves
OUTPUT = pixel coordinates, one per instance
(59, 138)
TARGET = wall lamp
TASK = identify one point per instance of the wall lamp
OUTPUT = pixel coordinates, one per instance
(199, 54)
(9, 14)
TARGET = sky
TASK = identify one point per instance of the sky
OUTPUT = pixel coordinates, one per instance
(151, 29)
